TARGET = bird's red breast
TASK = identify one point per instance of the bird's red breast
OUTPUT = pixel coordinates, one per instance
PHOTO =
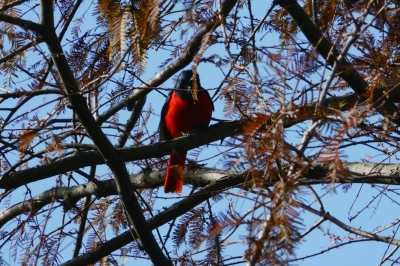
(183, 116)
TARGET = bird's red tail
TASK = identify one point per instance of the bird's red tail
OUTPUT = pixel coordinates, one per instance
(174, 177)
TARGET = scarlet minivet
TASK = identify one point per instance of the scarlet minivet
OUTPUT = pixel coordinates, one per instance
(181, 114)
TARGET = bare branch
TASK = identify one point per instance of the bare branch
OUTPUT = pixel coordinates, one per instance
(25, 24)
(360, 173)
(350, 229)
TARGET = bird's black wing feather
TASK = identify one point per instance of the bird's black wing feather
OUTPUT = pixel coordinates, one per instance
(164, 134)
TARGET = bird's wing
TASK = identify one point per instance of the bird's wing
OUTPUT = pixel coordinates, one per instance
(164, 134)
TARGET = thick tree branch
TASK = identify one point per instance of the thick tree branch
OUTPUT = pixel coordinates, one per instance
(213, 133)
(25, 24)
(71, 195)
(365, 173)
(70, 87)
(30, 93)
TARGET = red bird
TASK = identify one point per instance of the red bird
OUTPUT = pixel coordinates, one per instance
(181, 114)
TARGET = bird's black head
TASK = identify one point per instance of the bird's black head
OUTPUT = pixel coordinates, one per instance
(184, 85)
(185, 80)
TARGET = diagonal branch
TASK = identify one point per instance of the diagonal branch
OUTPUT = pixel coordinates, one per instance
(20, 50)
(10, 5)
(71, 89)
(327, 216)
(25, 24)
(346, 71)
(160, 219)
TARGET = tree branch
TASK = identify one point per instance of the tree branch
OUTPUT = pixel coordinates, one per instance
(347, 72)
(30, 93)
(70, 87)
(360, 173)
(213, 133)
(25, 24)
(174, 67)
(10, 5)
(160, 219)
(220, 184)
(350, 229)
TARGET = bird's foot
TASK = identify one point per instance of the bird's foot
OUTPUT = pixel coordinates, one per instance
(187, 134)
(192, 165)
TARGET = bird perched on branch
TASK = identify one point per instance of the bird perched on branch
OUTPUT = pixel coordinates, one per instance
(184, 112)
